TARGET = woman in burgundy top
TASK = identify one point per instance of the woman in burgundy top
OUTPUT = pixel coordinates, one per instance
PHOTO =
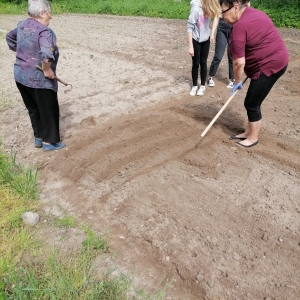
(258, 50)
(35, 44)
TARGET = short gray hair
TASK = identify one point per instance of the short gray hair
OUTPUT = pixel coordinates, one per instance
(36, 6)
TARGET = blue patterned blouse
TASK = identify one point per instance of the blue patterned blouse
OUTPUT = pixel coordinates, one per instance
(33, 42)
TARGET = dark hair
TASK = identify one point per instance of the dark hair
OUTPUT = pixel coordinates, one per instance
(230, 3)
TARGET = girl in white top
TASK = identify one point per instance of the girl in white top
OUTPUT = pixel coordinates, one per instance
(199, 39)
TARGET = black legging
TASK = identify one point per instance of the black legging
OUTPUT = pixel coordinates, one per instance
(200, 58)
(257, 92)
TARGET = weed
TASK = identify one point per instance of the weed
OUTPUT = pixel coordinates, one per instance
(66, 221)
(95, 242)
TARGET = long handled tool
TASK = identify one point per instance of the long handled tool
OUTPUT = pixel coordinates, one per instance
(220, 111)
(61, 81)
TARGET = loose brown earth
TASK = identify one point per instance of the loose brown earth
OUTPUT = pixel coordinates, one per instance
(215, 220)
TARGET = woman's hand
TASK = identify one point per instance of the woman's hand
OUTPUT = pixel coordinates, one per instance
(46, 66)
(49, 74)
(236, 86)
(191, 50)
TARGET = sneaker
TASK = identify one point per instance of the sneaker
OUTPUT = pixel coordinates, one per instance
(201, 91)
(38, 143)
(210, 82)
(54, 146)
(193, 91)
(230, 84)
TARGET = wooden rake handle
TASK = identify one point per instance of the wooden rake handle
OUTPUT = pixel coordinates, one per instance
(220, 111)
(61, 81)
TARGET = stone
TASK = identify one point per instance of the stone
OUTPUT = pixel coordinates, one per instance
(30, 218)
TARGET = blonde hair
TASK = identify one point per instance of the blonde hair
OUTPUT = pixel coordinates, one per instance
(211, 8)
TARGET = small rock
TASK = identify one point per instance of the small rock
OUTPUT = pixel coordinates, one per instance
(210, 282)
(30, 218)
(280, 240)
(235, 256)
(199, 277)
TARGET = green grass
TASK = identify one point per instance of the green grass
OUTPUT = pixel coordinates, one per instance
(93, 242)
(66, 221)
(18, 195)
(285, 13)
(61, 278)
(21, 180)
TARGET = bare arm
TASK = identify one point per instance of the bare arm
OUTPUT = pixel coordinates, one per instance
(214, 29)
(46, 66)
(238, 68)
(191, 47)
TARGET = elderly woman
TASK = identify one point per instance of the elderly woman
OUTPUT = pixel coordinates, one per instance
(258, 50)
(35, 44)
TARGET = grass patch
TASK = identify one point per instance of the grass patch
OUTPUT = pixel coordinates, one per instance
(61, 278)
(66, 222)
(18, 195)
(22, 181)
(94, 242)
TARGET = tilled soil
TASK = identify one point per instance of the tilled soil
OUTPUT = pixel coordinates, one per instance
(207, 218)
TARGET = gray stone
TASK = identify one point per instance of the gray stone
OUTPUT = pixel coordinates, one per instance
(30, 218)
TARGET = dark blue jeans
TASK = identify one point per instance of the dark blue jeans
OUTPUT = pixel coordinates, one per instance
(200, 58)
(222, 40)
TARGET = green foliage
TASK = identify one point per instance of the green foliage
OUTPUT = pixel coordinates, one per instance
(284, 13)
(22, 181)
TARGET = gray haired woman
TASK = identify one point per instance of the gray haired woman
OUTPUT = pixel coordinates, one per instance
(35, 44)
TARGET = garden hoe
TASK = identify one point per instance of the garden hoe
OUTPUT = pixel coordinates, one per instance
(220, 111)
(61, 81)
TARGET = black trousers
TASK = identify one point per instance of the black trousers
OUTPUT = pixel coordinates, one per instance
(200, 58)
(222, 40)
(43, 110)
(257, 92)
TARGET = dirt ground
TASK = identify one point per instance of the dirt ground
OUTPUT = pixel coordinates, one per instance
(209, 218)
